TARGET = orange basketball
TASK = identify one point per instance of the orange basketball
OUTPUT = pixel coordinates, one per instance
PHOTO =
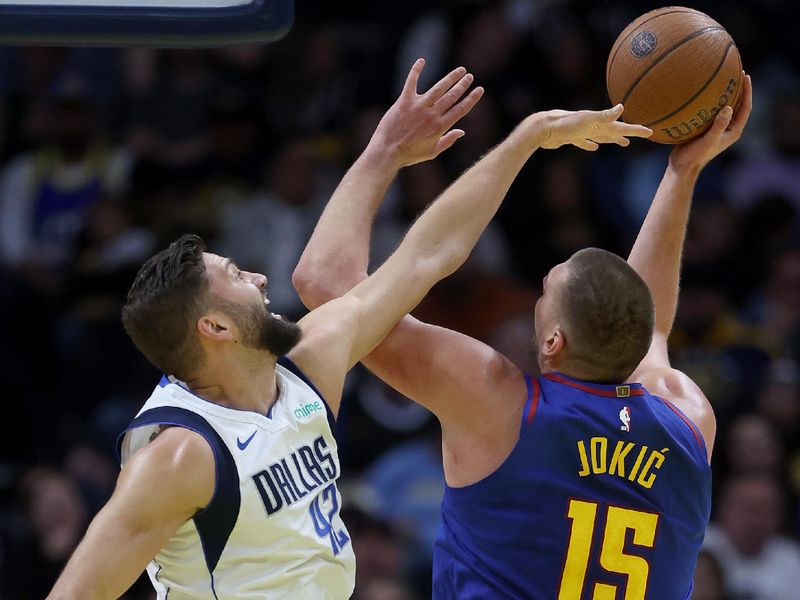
(674, 68)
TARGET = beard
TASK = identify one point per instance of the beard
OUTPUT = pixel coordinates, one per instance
(262, 331)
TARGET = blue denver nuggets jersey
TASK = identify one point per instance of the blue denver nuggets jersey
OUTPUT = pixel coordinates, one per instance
(606, 496)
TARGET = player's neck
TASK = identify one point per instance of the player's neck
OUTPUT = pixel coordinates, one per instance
(245, 382)
(565, 367)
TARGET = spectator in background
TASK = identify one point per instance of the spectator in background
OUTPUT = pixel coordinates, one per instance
(512, 338)
(768, 229)
(45, 195)
(776, 307)
(406, 485)
(93, 354)
(713, 345)
(776, 171)
(758, 562)
(779, 399)
(49, 526)
(317, 91)
(46, 198)
(753, 447)
(379, 554)
(267, 233)
(709, 582)
(386, 588)
(167, 120)
(375, 420)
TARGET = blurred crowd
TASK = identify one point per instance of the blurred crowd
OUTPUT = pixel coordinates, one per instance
(107, 155)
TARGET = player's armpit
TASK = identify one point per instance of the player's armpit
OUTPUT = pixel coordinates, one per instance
(162, 486)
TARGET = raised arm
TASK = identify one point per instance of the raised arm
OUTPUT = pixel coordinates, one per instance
(656, 256)
(416, 128)
(442, 238)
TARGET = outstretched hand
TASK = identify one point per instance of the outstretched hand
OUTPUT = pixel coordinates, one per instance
(417, 127)
(587, 129)
(724, 132)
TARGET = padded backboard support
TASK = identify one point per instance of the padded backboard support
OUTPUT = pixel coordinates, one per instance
(162, 23)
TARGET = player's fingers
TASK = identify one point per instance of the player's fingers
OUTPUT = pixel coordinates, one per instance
(447, 140)
(410, 86)
(613, 113)
(722, 120)
(588, 145)
(461, 109)
(624, 142)
(745, 105)
(451, 96)
(444, 84)
(632, 130)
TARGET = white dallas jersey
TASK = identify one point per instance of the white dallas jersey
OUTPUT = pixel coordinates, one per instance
(272, 529)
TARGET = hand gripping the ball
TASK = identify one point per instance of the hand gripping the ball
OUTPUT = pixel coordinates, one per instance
(724, 132)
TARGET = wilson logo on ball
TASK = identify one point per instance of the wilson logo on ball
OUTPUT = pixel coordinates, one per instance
(643, 44)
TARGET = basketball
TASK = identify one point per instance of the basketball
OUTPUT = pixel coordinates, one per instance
(674, 68)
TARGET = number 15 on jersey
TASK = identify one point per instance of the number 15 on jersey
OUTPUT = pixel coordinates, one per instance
(583, 515)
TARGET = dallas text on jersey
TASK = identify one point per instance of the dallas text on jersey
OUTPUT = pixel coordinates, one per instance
(294, 476)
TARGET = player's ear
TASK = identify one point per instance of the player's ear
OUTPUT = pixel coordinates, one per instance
(215, 325)
(553, 344)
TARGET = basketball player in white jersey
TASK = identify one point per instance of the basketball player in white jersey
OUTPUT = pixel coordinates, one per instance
(228, 486)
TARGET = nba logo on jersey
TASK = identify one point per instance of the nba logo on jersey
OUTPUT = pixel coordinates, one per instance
(625, 417)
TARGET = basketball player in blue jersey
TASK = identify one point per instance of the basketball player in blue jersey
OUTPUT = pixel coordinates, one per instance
(228, 486)
(591, 481)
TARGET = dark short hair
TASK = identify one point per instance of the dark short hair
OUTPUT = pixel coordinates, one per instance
(164, 302)
(608, 315)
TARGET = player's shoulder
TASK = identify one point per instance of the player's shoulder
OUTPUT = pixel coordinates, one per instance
(678, 389)
(177, 468)
(178, 460)
(174, 451)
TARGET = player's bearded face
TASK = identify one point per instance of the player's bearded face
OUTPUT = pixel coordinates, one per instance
(262, 331)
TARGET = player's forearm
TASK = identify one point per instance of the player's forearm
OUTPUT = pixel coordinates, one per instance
(656, 254)
(447, 232)
(85, 578)
(95, 572)
(337, 255)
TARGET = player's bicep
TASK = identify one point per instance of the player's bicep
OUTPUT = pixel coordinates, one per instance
(456, 377)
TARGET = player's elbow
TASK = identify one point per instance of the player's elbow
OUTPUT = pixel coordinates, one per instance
(308, 287)
(314, 286)
(318, 283)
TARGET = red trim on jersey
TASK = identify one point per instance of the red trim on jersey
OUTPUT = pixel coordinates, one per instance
(534, 399)
(688, 422)
(634, 391)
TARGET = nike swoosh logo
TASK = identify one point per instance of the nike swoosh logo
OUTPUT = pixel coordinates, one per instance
(243, 444)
